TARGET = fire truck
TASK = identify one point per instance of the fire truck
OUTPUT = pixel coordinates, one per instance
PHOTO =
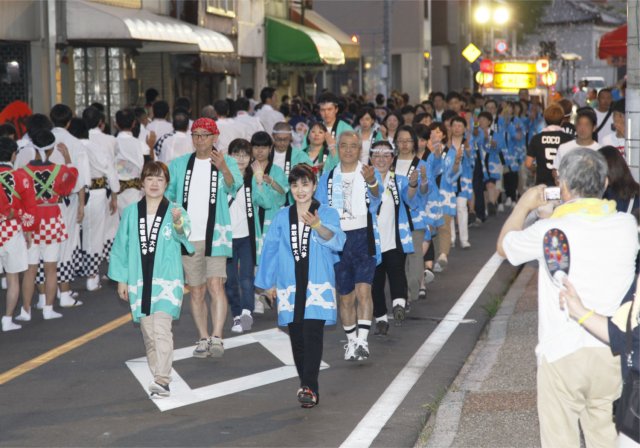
(503, 79)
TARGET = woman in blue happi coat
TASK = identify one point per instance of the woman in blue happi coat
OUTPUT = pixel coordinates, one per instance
(490, 143)
(297, 265)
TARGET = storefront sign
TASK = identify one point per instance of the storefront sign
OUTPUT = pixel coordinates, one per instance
(514, 67)
(514, 81)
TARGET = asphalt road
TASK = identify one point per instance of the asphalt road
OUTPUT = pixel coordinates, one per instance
(89, 397)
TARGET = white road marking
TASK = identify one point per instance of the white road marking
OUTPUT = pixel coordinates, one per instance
(372, 423)
(274, 340)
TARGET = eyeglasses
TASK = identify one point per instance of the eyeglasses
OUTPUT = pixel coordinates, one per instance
(200, 136)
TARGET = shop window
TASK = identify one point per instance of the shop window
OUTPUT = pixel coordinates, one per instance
(185, 10)
(13, 73)
(222, 7)
(99, 75)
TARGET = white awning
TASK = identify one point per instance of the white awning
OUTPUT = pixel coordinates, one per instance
(87, 21)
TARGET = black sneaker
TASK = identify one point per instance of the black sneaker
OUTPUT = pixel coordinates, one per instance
(307, 398)
(159, 390)
(382, 328)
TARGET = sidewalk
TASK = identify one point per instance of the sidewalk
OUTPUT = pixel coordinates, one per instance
(492, 402)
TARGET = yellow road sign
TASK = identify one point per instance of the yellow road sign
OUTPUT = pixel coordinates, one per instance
(471, 53)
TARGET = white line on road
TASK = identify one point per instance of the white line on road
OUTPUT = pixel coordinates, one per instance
(370, 426)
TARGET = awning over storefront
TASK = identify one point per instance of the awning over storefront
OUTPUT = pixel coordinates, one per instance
(613, 44)
(314, 20)
(291, 43)
(94, 22)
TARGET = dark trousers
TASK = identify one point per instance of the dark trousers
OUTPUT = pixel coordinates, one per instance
(240, 277)
(478, 191)
(306, 343)
(392, 266)
(430, 254)
(511, 185)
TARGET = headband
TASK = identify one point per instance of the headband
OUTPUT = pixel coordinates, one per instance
(43, 150)
(207, 124)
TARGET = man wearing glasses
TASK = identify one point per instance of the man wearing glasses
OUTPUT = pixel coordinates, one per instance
(201, 182)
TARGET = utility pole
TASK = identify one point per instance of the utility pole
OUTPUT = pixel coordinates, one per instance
(632, 146)
(386, 42)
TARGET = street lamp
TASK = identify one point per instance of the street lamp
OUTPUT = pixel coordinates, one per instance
(482, 15)
(493, 16)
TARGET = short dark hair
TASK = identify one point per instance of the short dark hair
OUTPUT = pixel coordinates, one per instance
(619, 106)
(160, 109)
(440, 94)
(248, 92)
(182, 102)
(380, 99)
(155, 168)
(8, 147)
(242, 104)
(448, 115)
(328, 97)
(140, 112)
(125, 119)
(486, 115)
(588, 113)
(453, 95)
(437, 125)
(180, 120)
(266, 93)
(301, 172)
(417, 118)
(366, 111)
(261, 138)
(92, 117)
(221, 107)
(395, 114)
(239, 145)
(409, 109)
(422, 131)
(459, 119)
(490, 100)
(37, 122)
(7, 129)
(605, 90)
(150, 95)
(60, 115)
(78, 128)
(98, 106)
(43, 138)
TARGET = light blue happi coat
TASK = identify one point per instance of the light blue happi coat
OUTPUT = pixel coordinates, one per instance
(125, 263)
(277, 267)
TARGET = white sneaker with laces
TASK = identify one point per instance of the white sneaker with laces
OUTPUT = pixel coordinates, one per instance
(9, 325)
(258, 307)
(237, 325)
(246, 320)
(350, 351)
(362, 349)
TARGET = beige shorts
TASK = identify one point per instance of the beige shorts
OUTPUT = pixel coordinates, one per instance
(198, 268)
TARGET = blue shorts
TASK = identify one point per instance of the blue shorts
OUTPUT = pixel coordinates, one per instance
(355, 265)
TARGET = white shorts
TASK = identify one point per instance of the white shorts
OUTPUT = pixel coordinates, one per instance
(13, 254)
(49, 253)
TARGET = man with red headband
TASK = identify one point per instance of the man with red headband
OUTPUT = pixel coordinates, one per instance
(200, 182)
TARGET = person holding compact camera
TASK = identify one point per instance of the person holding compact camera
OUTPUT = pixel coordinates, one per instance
(578, 378)
(201, 182)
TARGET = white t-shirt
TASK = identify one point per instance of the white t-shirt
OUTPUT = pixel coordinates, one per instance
(602, 269)
(238, 213)
(279, 158)
(349, 220)
(199, 192)
(402, 166)
(606, 129)
(615, 141)
(567, 147)
(387, 219)
(149, 224)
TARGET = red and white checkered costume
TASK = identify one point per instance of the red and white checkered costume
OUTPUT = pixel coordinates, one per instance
(49, 225)
(18, 190)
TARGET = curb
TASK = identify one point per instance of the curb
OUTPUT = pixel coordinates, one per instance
(442, 426)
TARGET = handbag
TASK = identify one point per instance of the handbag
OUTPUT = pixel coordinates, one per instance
(627, 407)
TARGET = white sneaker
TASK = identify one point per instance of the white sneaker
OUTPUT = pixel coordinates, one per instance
(246, 320)
(466, 245)
(362, 349)
(508, 202)
(350, 351)
(9, 325)
(24, 316)
(237, 325)
(258, 307)
(437, 268)
(69, 301)
(41, 302)
(93, 283)
(500, 208)
(4, 282)
(48, 313)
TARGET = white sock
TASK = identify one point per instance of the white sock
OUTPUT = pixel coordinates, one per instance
(382, 318)
(363, 329)
(401, 302)
(42, 301)
(350, 330)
